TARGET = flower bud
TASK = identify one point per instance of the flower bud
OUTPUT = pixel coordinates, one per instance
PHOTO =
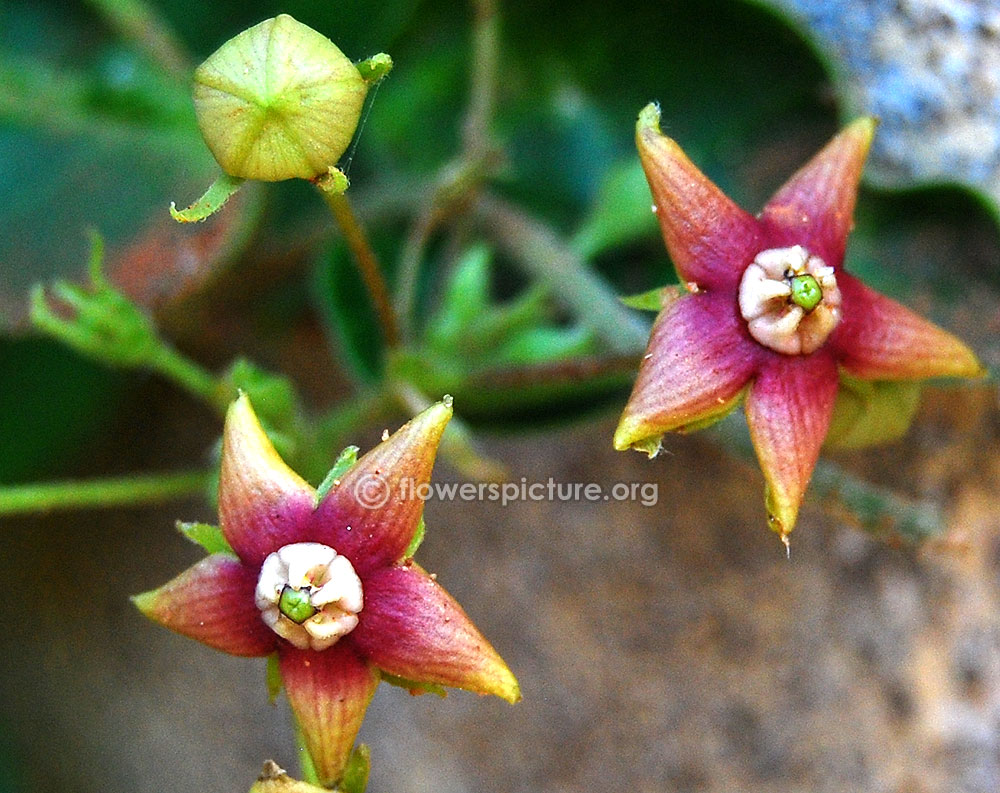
(278, 101)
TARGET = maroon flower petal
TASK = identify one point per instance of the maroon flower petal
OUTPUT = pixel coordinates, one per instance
(789, 409)
(880, 339)
(710, 239)
(263, 504)
(328, 692)
(815, 208)
(698, 362)
(372, 514)
(411, 627)
(213, 602)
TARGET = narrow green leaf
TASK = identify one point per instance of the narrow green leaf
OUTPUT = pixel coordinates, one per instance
(345, 460)
(655, 299)
(542, 345)
(207, 536)
(621, 213)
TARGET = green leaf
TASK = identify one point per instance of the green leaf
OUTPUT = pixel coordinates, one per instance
(539, 345)
(466, 296)
(274, 398)
(654, 300)
(344, 303)
(518, 397)
(347, 458)
(871, 412)
(207, 536)
(355, 778)
(621, 213)
(414, 686)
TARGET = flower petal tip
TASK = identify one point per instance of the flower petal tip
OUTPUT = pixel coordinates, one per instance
(508, 689)
(782, 513)
(649, 119)
(633, 434)
(146, 603)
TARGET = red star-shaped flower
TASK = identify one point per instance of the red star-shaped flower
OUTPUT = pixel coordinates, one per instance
(769, 313)
(328, 585)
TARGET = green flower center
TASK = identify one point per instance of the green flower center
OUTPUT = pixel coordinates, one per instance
(806, 292)
(296, 604)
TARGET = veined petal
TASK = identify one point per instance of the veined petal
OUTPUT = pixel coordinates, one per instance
(372, 514)
(789, 409)
(263, 504)
(213, 602)
(328, 692)
(880, 339)
(710, 239)
(815, 208)
(411, 627)
(697, 364)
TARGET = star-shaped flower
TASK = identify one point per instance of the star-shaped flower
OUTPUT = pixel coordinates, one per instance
(769, 314)
(326, 583)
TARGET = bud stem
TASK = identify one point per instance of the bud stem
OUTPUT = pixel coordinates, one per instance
(367, 262)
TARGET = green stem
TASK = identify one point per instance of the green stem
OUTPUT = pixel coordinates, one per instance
(367, 262)
(549, 259)
(457, 180)
(878, 510)
(101, 493)
(191, 377)
(140, 23)
(485, 65)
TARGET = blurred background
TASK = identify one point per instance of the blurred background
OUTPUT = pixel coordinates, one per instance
(670, 647)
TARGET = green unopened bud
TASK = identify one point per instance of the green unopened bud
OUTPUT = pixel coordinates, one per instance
(278, 101)
(806, 292)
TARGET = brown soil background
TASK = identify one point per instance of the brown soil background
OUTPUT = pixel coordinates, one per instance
(666, 648)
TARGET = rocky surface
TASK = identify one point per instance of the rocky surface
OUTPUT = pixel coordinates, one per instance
(930, 70)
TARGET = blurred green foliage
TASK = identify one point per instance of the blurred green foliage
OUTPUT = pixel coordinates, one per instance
(94, 133)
